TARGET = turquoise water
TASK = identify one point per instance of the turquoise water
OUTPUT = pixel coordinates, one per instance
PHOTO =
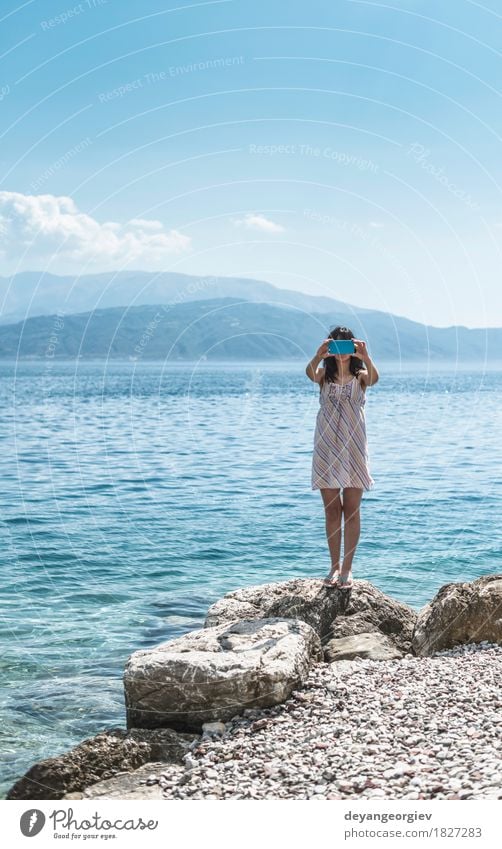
(133, 496)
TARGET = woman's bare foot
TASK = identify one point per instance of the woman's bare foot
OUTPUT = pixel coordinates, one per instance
(344, 580)
(331, 579)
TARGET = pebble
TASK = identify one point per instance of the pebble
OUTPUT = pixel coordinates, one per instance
(315, 746)
(216, 728)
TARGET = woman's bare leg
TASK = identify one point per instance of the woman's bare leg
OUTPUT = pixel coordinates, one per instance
(351, 529)
(333, 511)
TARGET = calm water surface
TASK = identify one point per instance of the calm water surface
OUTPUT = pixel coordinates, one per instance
(133, 496)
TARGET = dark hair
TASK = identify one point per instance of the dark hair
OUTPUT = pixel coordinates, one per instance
(330, 363)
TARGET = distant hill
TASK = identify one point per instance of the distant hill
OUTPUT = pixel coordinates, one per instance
(36, 293)
(233, 329)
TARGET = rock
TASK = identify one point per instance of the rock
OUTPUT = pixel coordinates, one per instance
(341, 668)
(130, 785)
(217, 728)
(307, 599)
(213, 673)
(374, 646)
(364, 623)
(370, 610)
(460, 613)
(165, 744)
(300, 598)
(100, 757)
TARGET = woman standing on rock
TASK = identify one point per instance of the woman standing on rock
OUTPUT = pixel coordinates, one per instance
(341, 460)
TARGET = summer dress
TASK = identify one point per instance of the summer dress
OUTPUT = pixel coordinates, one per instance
(341, 456)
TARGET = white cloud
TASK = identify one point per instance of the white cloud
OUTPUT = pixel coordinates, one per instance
(46, 225)
(376, 224)
(253, 221)
(143, 224)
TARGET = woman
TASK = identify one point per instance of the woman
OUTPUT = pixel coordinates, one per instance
(340, 460)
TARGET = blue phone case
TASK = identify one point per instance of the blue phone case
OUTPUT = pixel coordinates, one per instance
(341, 346)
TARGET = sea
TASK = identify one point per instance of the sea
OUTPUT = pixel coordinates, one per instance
(135, 494)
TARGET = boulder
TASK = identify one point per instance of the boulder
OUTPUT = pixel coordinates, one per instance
(128, 785)
(469, 612)
(103, 756)
(373, 645)
(300, 598)
(215, 673)
(369, 609)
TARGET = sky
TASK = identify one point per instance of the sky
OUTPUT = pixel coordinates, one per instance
(349, 149)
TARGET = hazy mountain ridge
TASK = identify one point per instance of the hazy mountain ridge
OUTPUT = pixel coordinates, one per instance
(229, 328)
(32, 293)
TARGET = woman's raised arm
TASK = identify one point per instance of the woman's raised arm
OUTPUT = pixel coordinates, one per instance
(321, 353)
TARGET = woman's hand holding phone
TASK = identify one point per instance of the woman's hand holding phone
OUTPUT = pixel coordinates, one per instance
(361, 349)
(322, 351)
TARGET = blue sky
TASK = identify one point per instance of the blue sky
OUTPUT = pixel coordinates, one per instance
(349, 149)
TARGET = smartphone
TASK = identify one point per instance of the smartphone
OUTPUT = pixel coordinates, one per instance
(341, 346)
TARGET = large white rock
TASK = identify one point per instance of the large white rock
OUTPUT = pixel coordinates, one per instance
(215, 673)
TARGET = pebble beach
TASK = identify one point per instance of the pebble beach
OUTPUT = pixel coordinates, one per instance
(414, 728)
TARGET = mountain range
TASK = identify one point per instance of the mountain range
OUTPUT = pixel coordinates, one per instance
(142, 315)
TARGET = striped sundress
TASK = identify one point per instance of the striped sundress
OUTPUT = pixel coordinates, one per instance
(341, 456)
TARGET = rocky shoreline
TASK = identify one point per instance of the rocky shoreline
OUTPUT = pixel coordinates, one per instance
(419, 728)
(285, 694)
